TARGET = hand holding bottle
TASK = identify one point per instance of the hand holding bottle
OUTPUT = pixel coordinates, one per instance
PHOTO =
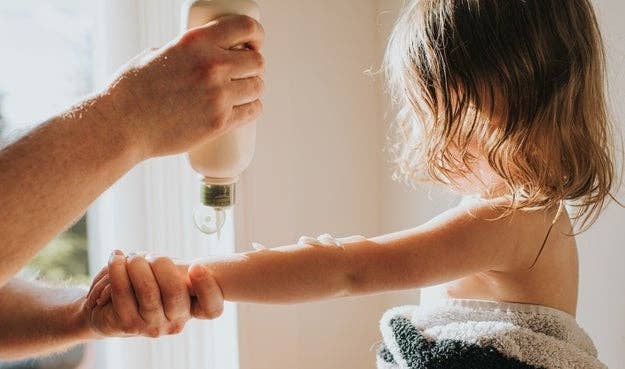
(194, 89)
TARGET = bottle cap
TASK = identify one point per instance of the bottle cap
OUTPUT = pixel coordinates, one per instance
(218, 195)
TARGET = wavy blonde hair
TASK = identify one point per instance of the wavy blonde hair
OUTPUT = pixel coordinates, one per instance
(521, 80)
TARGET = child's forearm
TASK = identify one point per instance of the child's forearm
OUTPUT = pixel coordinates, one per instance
(285, 275)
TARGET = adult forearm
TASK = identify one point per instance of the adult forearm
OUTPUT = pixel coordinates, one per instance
(49, 177)
(193, 90)
(37, 320)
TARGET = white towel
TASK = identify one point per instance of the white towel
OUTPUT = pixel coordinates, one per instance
(459, 334)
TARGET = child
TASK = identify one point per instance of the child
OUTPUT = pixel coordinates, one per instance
(503, 101)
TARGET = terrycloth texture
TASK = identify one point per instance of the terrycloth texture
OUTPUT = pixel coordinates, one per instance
(459, 334)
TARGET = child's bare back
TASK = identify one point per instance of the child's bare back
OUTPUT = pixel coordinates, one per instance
(542, 266)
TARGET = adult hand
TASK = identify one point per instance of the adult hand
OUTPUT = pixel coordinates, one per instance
(192, 90)
(149, 297)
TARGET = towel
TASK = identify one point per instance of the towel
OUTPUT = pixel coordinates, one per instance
(459, 334)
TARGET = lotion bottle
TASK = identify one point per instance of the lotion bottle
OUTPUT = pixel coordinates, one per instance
(221, 161)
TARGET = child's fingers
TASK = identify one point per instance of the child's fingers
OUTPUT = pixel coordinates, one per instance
(105, 296)
(209, 301)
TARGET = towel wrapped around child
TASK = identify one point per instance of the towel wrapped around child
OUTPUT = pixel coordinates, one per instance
(459, 334)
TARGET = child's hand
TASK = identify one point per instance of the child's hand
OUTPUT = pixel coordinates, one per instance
(150, 298)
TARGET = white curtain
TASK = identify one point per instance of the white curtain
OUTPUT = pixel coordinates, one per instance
(151, 207)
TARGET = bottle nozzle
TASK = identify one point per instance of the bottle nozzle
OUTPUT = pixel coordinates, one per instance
(210, 220)
(210, 217)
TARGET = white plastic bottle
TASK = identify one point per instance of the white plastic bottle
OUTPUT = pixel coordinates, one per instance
(221, 161)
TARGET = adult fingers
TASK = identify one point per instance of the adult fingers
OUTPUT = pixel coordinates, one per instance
(122, 294)
(174, 291)
(246, 63)
(245, 91)
(105, 296)
(96, 290)
(102, 321)
(146, 290)
(208, 302)
(103, 273)
(236, 30)
(246, 113)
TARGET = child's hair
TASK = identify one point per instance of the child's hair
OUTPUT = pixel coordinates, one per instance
(521, 81)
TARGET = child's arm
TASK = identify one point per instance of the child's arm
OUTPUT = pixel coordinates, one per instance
(459, 242)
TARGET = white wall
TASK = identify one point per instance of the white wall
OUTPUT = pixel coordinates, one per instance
(602, 251)
(327, 173)
(322, 175)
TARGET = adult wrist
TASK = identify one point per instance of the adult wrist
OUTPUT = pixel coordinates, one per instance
(115, 123)
(77, 320)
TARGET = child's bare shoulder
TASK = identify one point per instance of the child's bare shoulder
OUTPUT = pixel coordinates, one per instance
(514, 236)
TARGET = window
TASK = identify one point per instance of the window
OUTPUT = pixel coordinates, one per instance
(55, 51)
(46, 65)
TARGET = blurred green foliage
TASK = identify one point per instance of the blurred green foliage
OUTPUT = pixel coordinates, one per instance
(66, 258)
